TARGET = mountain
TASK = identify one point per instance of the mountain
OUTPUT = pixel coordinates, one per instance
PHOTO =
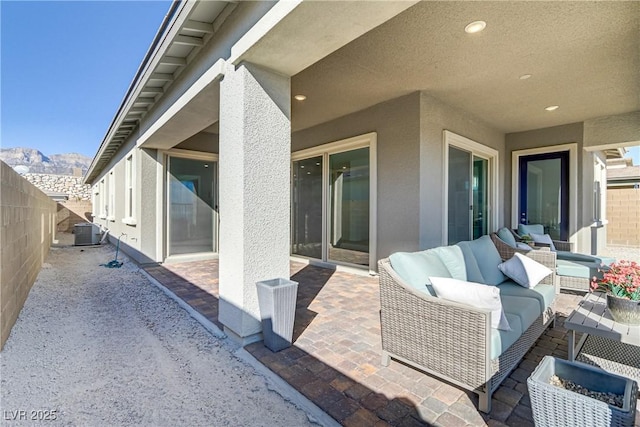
(58, 164)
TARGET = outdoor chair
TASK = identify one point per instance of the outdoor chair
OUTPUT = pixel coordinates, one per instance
(563, 249)
(574, 270)
(538, 230)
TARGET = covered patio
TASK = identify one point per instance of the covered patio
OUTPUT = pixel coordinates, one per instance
(335, 359)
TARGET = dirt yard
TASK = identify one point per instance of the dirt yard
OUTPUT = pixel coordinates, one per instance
(95, 346)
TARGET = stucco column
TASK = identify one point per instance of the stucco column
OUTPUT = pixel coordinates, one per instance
(255, 162)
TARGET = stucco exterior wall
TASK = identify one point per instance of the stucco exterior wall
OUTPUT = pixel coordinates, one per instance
(587, 235)
(151, 180)
(410, 163)
(397, 124)
(435, 117)
(142, 249)
(203, 141)
(599, 229)
(28, 228)
(619, 131)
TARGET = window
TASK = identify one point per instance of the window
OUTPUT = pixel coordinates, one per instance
(95, 201)
(102, 203)
(112, 197)
(129, 217)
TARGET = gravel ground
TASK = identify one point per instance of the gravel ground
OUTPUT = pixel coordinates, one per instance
(103, 347)
(623, 252)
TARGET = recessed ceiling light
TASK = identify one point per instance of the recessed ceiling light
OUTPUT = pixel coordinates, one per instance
(475, 27)
(300, 97)
(525, 76)
(552, 108)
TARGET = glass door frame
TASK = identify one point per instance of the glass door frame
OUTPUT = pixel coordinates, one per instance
(526, 169)
(190, 155)
(572, 148)
(368, 140)
(476, 150)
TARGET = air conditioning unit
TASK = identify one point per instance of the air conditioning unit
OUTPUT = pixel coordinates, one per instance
(86, 234)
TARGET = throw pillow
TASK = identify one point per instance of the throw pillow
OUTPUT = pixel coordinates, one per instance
(473, 294)
(470, 263)
(525, 271)
(543, 238)
(506, 236)
(453, 259)
(488, 258)
(416, 267)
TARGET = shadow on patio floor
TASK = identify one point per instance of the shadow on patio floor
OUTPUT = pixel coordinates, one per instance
(335, 359)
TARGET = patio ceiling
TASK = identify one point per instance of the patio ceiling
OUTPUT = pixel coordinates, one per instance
(582, 56)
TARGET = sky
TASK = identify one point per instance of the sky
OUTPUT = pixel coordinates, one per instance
(634, 153)
(66, 66)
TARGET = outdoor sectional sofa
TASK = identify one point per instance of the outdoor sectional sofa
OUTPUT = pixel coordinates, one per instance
(456, 341)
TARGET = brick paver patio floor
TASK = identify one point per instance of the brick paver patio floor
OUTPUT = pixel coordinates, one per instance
(335, 360)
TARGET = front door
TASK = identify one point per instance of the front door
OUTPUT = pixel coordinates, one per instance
(544, 192)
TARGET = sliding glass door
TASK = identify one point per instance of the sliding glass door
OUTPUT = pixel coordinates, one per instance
(331, 204)
(191, 212)
(349, 207)
(468, 215)
(307, 191)
(459, 204)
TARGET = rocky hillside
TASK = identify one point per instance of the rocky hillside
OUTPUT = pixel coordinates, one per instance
(36, 162)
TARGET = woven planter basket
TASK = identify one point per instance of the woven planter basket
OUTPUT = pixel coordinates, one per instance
(554, 406)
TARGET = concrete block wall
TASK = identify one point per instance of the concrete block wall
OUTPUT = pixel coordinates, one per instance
(72, 212)
(623, 214)
(28, 221)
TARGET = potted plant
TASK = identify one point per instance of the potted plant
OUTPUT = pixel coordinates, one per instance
(526, 239)
(621, 282)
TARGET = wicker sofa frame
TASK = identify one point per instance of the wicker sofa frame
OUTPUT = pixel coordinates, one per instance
(448, 339)
(580, 284)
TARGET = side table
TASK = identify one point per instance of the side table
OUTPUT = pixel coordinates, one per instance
(605, 343)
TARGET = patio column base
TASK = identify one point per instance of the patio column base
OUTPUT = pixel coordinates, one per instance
(243, 341)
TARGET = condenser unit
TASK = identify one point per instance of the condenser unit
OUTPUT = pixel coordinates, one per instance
(86, 234)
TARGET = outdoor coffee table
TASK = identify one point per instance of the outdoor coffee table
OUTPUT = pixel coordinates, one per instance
(606, 343)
